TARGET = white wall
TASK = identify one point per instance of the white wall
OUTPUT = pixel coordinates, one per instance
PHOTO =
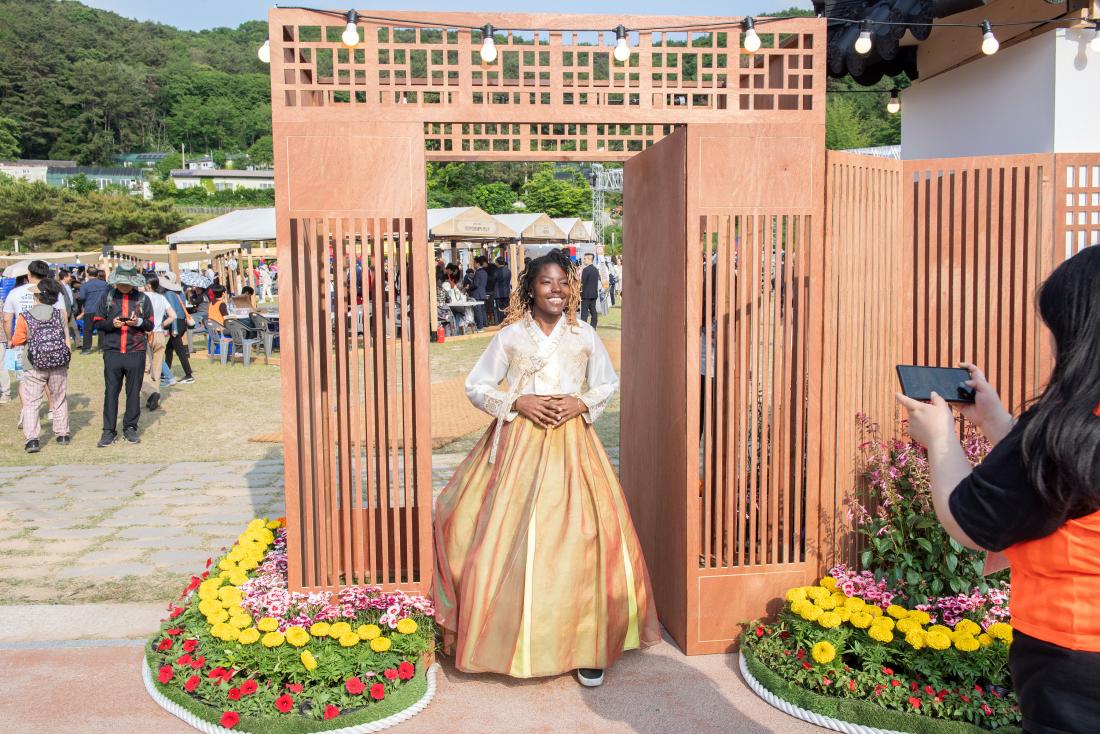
(1000, 104)
(1077, 93)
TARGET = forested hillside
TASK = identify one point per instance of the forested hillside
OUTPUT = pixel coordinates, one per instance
(83, 84)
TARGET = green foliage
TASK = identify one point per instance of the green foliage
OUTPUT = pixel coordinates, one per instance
(81, 184)
(75, 218)
(87, 84)
(494, 198)
(9, 139)
(861, 120)
(556, 197)
(613, 239)
(262, 151)
(203, 196)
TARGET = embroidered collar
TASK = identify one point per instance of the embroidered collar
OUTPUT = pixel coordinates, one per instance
(545, 343)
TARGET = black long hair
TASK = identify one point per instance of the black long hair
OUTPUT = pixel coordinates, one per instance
(1061, 443)
(522, 299)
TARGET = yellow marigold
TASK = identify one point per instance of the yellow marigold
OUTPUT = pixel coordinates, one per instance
(380, 644)
(338, 630)
(829, 620)
(985, 640)
(827, 603)
(946, 631)
(881, 633)
(795, 594)
(208, 593)
(817, 593)
(874, 611)
(897, 612)
(224, 631)
(828, 582)
(905, 626)
(230, 596)
(237, 577)
(799, 604)
(349, 640)
(240, 621)
(406, 626)
(218, 616)
(919, 616)
(966, 643)
(968, 627)
(319, 629)
(916, 639)
(823, 652)
(937, 640)
(254, 523)
(368, 632)
(247, 564)
(839, 598)
(274, 524)
(854, 604)
(843, 613)
(884, 622)
(1000, 631)
(297, 636)
(273, 639)
(268, 624)
(810, 613)
(226, 565)
(209, 606)
(248, 636)
(308, 661)
(861, 620)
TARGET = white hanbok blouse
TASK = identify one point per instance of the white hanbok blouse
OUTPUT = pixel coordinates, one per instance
(571, 360)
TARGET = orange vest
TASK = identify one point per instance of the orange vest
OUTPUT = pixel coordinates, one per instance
(1056, 585)
(214, 313)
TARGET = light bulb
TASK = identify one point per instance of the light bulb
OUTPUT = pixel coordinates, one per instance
(622, 49)
(488, 47)
(265, 52)
(751, 43)
(989, 41)
(894, 105)
(350, 36)
(863, 43)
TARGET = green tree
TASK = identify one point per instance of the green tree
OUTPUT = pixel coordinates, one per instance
(556, 197)
(495, 198)
(9, 139)
(261, 153)
(844, 126)
(81, 184)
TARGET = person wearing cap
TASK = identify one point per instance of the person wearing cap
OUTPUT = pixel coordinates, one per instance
(124, 320)
(177, 331)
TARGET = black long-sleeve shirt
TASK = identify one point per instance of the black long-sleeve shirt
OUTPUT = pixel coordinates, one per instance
(117, 305)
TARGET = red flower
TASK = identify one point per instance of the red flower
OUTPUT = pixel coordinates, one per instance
(355, 686)
(879, 688)
(784, 634)
(390, 673)
(965, 699)
(190, 645)
(175, 612)
(801, 653)
(887, 671)
(914, 702)
(760, 631)
(249, 687)
(895, 682)
(294, 687)
(405, 670)
(913, 686)
(826, 681)
(978, 688)
(174, 631)
(229, 719)
(378, 691)
(234, 694)
(284, 703)
(209, 562)
(192, 683)
(183, 659)
(852, 685)
(806, 665)
(165, 673)
(227, 675)
(331, 712)
(198, 662)
(994, 692)
(165, 644)
(216, 673)
(929, 690)
(986, 710)
(205, 574)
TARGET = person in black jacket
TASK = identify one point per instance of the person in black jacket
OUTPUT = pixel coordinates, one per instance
(479, 290)
(124, 319)
(502, 288)
(590, 290)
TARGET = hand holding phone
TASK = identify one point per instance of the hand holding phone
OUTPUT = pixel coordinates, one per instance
(950, 383)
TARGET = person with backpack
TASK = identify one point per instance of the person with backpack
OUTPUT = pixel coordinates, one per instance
(177, 345)
(124, 320)
(42, 328)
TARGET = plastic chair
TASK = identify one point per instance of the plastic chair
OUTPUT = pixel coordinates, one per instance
(243, 340)
(268, 331)
(217, 343)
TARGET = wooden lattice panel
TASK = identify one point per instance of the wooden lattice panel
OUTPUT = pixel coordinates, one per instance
(432, 71)
(524, 141)
(1078, 180)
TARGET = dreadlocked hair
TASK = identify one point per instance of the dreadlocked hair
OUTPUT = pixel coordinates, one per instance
(522, 299)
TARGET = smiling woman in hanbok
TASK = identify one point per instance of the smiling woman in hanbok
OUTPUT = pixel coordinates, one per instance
(538, 568)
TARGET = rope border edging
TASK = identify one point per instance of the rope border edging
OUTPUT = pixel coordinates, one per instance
(804, 714)
(210, 728)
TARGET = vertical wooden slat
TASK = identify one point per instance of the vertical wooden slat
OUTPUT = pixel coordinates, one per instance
(343, 393)
(360, 562)
(381, 404)
(735, 441)
(724, 516)
(407, 437)
(323, 356)
(393, 394)
(710, 479)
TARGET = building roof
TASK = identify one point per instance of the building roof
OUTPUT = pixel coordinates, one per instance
(240, 225)
(33, 163)
(93, 171)
(222, 173)
(573, 227)
(141, 157)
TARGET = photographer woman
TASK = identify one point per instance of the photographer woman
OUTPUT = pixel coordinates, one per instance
(1037, 498)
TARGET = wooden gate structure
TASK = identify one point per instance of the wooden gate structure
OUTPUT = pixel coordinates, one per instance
(775, 286)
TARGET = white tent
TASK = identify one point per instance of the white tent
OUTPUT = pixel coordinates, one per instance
(533, 226)
(466, 223)
(573, 227)
(241, 225)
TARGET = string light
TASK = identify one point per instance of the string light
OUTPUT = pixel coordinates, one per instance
(990, 44)
(265, 52)
(894, 105)
(488, 47)
(622, 49)
(752, 41)
(350, 36)
(863, 43)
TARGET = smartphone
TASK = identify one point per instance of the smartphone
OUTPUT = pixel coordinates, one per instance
(919, 382)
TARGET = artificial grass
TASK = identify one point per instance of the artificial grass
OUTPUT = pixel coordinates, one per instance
(396, 702)
(859, 712)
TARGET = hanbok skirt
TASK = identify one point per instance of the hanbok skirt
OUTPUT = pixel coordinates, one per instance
(538, 568)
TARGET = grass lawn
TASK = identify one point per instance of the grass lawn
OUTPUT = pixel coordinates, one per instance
(208, 420)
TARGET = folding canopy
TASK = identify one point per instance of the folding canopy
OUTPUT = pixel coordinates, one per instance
(573, 227)
(532, 226)
(466, 223)
(241, 225)
(59, 258)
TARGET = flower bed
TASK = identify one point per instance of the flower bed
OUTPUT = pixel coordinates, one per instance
(842, 656)
(242, 651)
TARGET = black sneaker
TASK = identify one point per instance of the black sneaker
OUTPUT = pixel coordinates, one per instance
(590, 677)
(106, 439)
(153, 402)
(64, 440)
(131, 435)
(186, 380)
(32, 446)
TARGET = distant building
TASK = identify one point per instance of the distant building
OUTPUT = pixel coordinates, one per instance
(140, 160)
(223, 179)
(31, 170)
(206, 163)
(131, 179)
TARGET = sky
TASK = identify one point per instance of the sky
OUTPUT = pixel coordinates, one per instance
(199, 14)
